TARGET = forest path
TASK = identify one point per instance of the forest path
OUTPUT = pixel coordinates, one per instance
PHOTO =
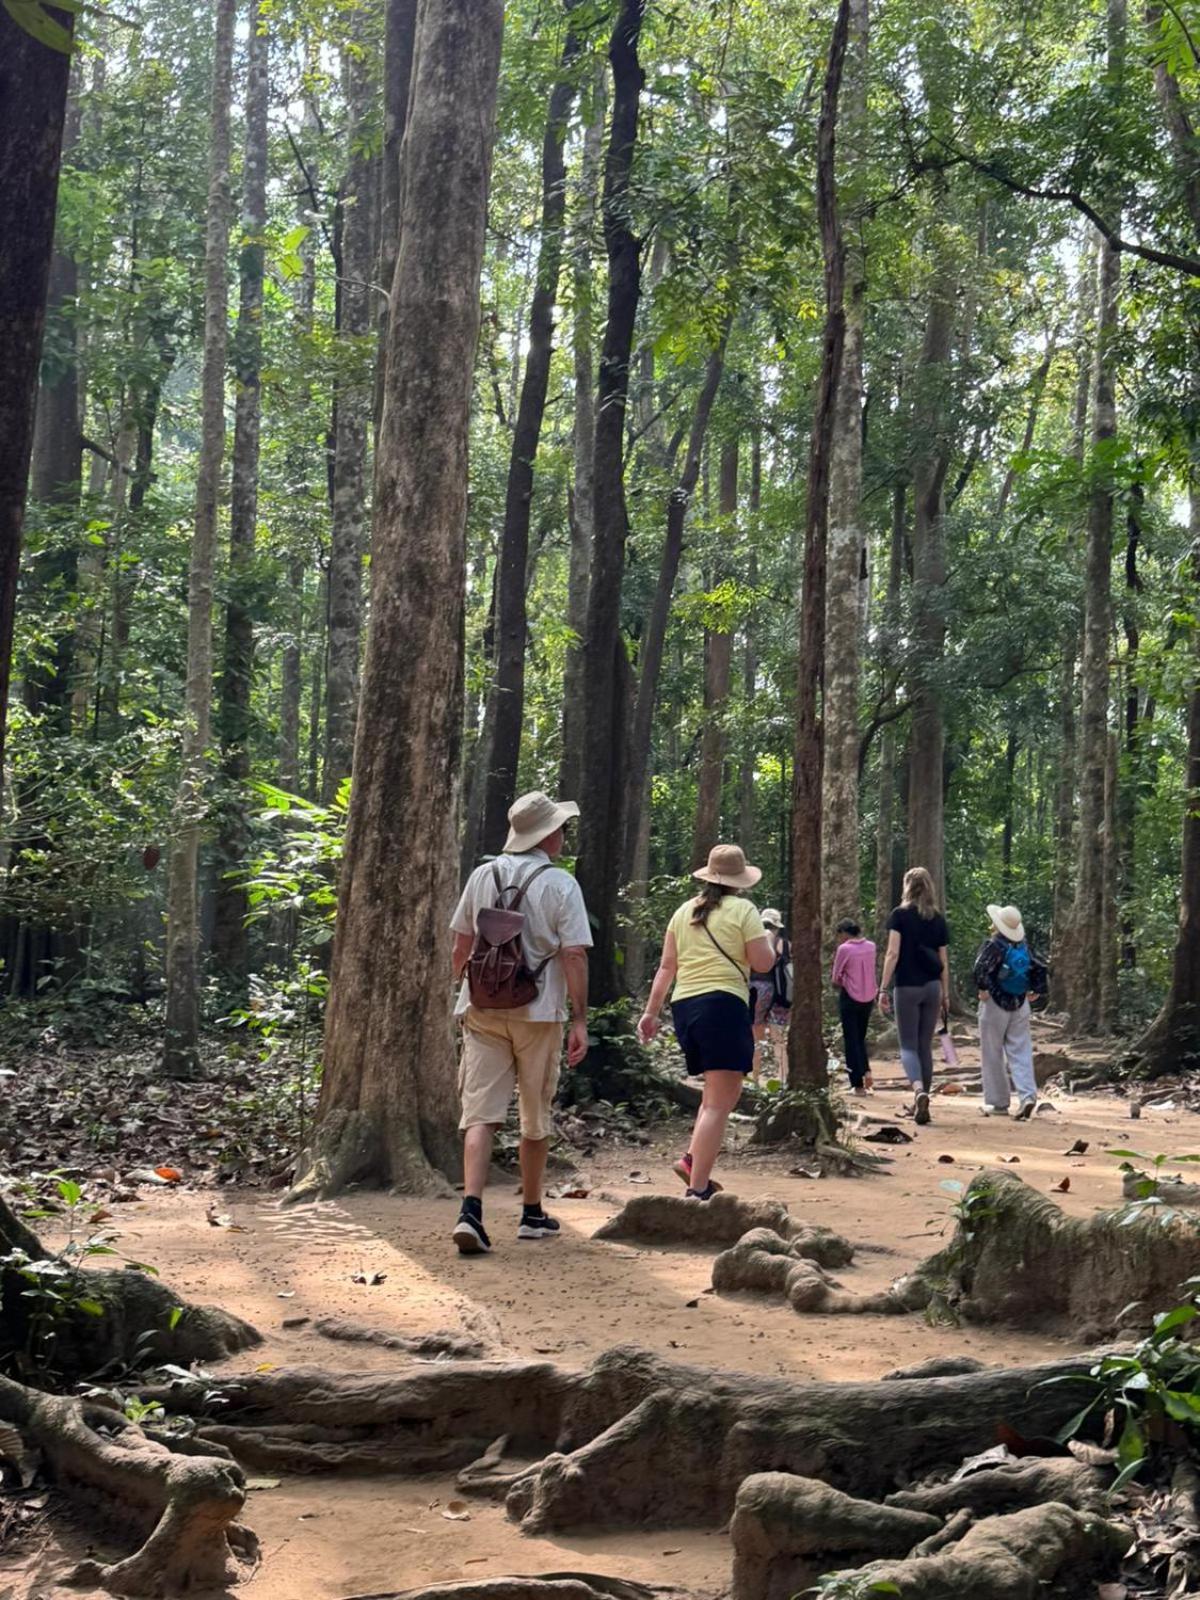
(570, 1299)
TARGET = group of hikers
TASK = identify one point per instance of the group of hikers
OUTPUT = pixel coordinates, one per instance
(521, 937)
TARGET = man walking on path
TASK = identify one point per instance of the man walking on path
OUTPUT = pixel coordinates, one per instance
(1006, 973)
(520, 1048)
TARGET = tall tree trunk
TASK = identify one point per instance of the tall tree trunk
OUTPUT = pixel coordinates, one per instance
(33, 99)
(1132, 791)
(1011, 747)
(1111, 853)
(233, 716)
(807, 1056)
(749, 761)
(56, 470)
(1172, 1042)
(500, 752)
(847, 578)
(583, 441)
(387, 1107)
(654, 638)
(718, 670)
(352, 406)
(927, 735)
(600, 831)
(400, 37)
(181, 1057)
(885, 814)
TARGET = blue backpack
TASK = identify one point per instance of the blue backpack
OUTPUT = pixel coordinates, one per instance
(1015, 976)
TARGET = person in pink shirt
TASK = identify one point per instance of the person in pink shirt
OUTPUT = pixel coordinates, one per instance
(854, 979)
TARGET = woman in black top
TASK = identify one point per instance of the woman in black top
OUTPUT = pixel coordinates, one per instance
(916, 960)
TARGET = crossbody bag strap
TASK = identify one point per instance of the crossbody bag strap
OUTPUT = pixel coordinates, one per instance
(745, 976)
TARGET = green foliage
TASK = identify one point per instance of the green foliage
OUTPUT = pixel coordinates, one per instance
(619, 1070)
(1148, 1201)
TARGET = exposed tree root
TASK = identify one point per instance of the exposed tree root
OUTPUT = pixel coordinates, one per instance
(1006, 1558)
(1173, 1191)
(183, 1503)
(670, 1219)
(143, 1320)
(1021, 1260)
(547, 1586)
(1013, 1487)
(786, 1528)
(761, 1262)
(598, 1439)
(936, 1367)
(426, 1346)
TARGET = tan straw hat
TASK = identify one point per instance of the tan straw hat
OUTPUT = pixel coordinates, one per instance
(534, 817)
(727, 864)
(1007, 920)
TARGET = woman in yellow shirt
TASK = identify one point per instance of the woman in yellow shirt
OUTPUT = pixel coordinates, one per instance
(713, 942)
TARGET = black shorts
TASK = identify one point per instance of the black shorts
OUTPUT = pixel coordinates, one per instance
(714, 1032)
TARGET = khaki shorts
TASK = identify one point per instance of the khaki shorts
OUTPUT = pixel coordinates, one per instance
(501, 1052)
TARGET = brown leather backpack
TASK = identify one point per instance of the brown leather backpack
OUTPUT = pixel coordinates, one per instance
(497, 977)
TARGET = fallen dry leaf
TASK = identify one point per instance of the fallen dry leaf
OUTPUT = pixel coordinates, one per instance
(222, 1219)
(457, 1511)
(1061, 1186)
(946, 1161)
(369, 1278)
(1010, 1161)
(951, 1088)
(569, 1194)
(169, 1174)
(1079, 1148)
(638, 1177)
(265, 1366)
(262, 1483)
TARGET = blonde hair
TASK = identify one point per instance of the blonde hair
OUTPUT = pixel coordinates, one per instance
(919, 892)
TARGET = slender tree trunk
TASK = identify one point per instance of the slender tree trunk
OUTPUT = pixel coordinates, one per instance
(885, 815)
(233, 717)
(352, 416)
(584, 441)
(654, 638)
(749, 740)
(1131, 792)
(847, 578)
(718, 671)
(807, 1056)
(387, 1107)
(291, 682)
(1037, 389)
(1011, 747)
(600, 832)
(180, 1047)
(1111, 853)
(500, 752)
(56, 470)
(33, 99)
(400, 36)
(927, 735)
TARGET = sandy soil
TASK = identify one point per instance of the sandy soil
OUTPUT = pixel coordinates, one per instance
(571, 1299)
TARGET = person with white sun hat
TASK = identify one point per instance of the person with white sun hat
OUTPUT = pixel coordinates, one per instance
(1006, 974)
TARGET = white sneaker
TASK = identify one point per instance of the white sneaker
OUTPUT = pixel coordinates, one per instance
(1024, 1111)
(993, 1111)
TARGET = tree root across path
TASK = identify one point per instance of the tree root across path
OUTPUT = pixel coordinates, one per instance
(587, 1449)
(659, 1219)
(141, 1320)
(546, 1586)
(184, 1504)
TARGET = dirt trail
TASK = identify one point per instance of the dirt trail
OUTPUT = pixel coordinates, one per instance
(571, 1299)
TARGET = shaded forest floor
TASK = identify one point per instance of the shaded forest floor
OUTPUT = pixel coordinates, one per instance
(286, 1269)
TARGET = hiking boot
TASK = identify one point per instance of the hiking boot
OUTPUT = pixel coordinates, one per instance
(1024, 1111)
(683, 1169)
(470, 1235)
(537, 1225)
(921, 1108)
(703, 1194)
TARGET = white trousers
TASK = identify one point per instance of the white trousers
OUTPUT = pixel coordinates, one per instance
(1006, 1052)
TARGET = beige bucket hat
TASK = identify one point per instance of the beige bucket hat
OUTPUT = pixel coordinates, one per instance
(727, 865)
(533, 817)
(771, 918)
(1007, 920)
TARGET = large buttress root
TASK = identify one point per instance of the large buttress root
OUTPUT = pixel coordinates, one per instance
(763, 1263)
(669, 1219)
(1022, 1260)
(185, 1504)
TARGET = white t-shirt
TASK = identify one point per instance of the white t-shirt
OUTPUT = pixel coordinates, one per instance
(555, 918)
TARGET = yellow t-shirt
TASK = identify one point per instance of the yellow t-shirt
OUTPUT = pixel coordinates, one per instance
(702, 968)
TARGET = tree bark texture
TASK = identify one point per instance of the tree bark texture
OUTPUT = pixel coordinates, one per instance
(927, 736)
(352, 406)
(234, 727)
(1085, 953)
(807, 1055)
(600, 831)
(847, 579)
(718, 673)
(583, 442)
(400, 37)
(180, 1053)
(885, 811)
(500, 752)
(33, 99)
(654, 639)
(387, 1106)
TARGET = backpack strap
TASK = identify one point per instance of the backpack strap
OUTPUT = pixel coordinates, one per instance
(745, 976)
(519, 886)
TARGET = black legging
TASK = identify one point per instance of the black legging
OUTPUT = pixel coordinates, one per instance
(855, 1016)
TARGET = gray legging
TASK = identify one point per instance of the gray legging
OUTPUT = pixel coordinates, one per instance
(918, 1006)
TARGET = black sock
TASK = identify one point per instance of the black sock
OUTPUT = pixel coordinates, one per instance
(473, 1206)
(534, 1210)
